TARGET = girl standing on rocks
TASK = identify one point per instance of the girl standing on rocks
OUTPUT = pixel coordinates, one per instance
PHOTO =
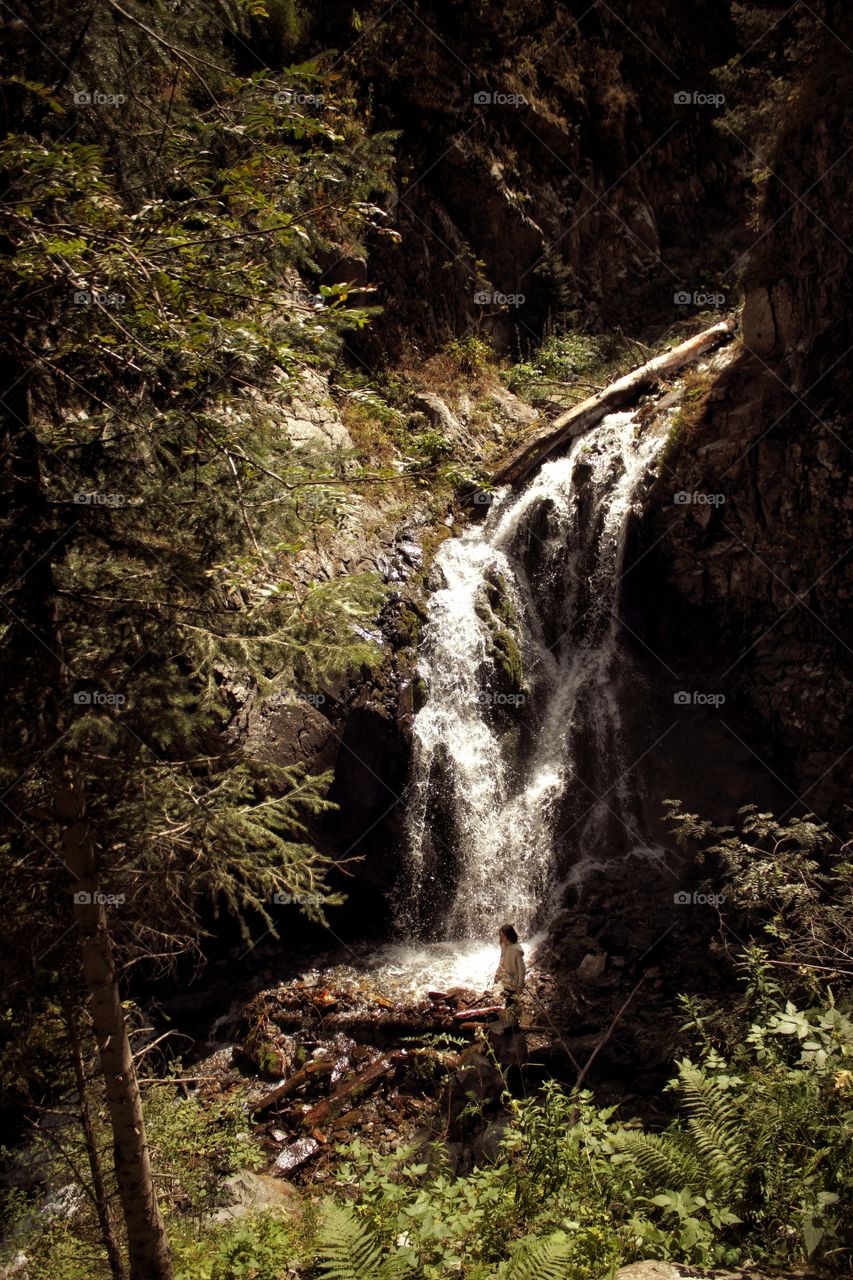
(510, 971)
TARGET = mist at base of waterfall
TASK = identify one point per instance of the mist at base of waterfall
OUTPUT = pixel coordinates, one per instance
(440, 966)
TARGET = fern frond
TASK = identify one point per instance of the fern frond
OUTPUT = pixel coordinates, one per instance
(716, 1127)
(348, 1251)
(662, 1159)
(544, 1259)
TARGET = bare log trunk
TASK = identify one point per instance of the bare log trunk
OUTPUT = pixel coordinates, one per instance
(313, 1071)
(102, 1203)
(354, 1088)
(618, 395)
(147, 1243)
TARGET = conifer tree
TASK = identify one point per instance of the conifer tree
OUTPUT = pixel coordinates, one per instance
(159, 203)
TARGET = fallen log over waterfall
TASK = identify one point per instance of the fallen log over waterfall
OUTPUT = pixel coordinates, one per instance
(617, 396)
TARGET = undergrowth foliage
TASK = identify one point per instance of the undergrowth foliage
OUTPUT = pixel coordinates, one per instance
(758, 1162)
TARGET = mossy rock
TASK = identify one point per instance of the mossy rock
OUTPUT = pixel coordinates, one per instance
(494, 607)
(410, 622)
(505, 652)
(501, 601)
(420, 693)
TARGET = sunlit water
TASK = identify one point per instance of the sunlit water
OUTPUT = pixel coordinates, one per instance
(405, 973)
(485, 799)
(440, 966)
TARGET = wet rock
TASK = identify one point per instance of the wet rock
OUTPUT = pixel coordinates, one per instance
(459, 997)
(411, 551)
(296, 1155)
(343, 1047)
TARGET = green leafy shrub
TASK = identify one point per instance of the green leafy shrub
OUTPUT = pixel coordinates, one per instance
(195, 1144)
(264, 1246)
(571, 363)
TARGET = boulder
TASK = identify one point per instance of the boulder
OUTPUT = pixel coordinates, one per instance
(439, 415)
(290, 728)
(650, 1271)
(247, 1193)
(592, 966)
(653, 1270)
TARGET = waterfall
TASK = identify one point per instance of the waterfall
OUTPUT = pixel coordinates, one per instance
(518, 749)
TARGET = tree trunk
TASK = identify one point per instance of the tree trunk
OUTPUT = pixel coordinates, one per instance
(102, 1202)
(618, 395)
(147, 1243)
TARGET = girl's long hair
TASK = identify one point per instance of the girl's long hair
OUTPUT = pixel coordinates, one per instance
(509, 933)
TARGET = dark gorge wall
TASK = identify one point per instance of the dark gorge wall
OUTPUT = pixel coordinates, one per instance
(759, 582)
(552, 155)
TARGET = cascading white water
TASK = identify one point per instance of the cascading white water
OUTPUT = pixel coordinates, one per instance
(507, 765)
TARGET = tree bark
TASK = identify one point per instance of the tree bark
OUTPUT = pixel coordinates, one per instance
(147, 1244)
(618, 395)
(102, 1203)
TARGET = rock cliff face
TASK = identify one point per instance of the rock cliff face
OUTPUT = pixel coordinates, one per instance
(758, 581)
(554, 163)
